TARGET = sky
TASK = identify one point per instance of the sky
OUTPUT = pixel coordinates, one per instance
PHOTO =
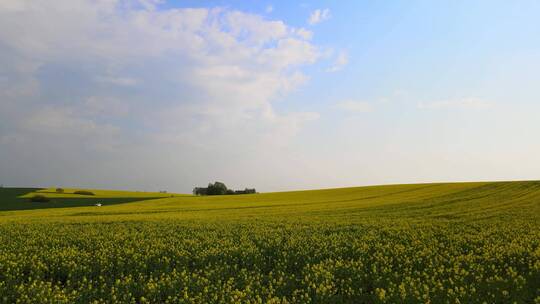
(277, 95)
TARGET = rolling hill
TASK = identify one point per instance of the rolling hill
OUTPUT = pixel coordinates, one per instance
(19, 198)
(458, 201)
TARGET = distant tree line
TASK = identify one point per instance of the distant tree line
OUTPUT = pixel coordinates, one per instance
(219, 188)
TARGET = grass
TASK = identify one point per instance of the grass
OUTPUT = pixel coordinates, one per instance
(422, 243)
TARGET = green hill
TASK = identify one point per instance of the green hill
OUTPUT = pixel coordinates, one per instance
(19, 198)
(421, 243)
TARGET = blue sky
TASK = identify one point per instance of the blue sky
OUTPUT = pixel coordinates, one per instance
(150, 95)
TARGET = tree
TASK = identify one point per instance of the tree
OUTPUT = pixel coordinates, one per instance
(200, 191)
(250, 191)
(217, 188)
(83, 192)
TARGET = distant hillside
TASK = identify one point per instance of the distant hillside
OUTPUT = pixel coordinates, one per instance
(438, 200)
(19, 198)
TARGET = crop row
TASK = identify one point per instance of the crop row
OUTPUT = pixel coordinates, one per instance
(270, 262)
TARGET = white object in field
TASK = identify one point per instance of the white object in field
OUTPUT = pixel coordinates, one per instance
(98, 204)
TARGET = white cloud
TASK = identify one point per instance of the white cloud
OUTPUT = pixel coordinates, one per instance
(354, 106)
(340, 62)
(255, 28)
(227, 56)
(128, 75)
(460, 103)
(318, 16)
(305, 34)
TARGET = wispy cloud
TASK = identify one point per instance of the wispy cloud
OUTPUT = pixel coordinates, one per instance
(318, 16)
(340, 62)
(269, 9)
(354, 106)
(459, 103)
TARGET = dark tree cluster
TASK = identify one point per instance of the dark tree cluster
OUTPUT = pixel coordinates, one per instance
(39, 198)
(83, 192)
(219, 188)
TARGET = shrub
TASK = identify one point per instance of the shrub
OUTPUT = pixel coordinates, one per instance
(59, 190)
(39, 198)
(245, 191)
(83, 192)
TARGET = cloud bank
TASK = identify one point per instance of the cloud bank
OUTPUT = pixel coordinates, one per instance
(126, 92)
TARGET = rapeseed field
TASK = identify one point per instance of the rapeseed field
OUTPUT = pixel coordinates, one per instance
(422, 243)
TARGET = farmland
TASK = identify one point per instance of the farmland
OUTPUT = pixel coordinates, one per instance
(421, 243)
(18, 198)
